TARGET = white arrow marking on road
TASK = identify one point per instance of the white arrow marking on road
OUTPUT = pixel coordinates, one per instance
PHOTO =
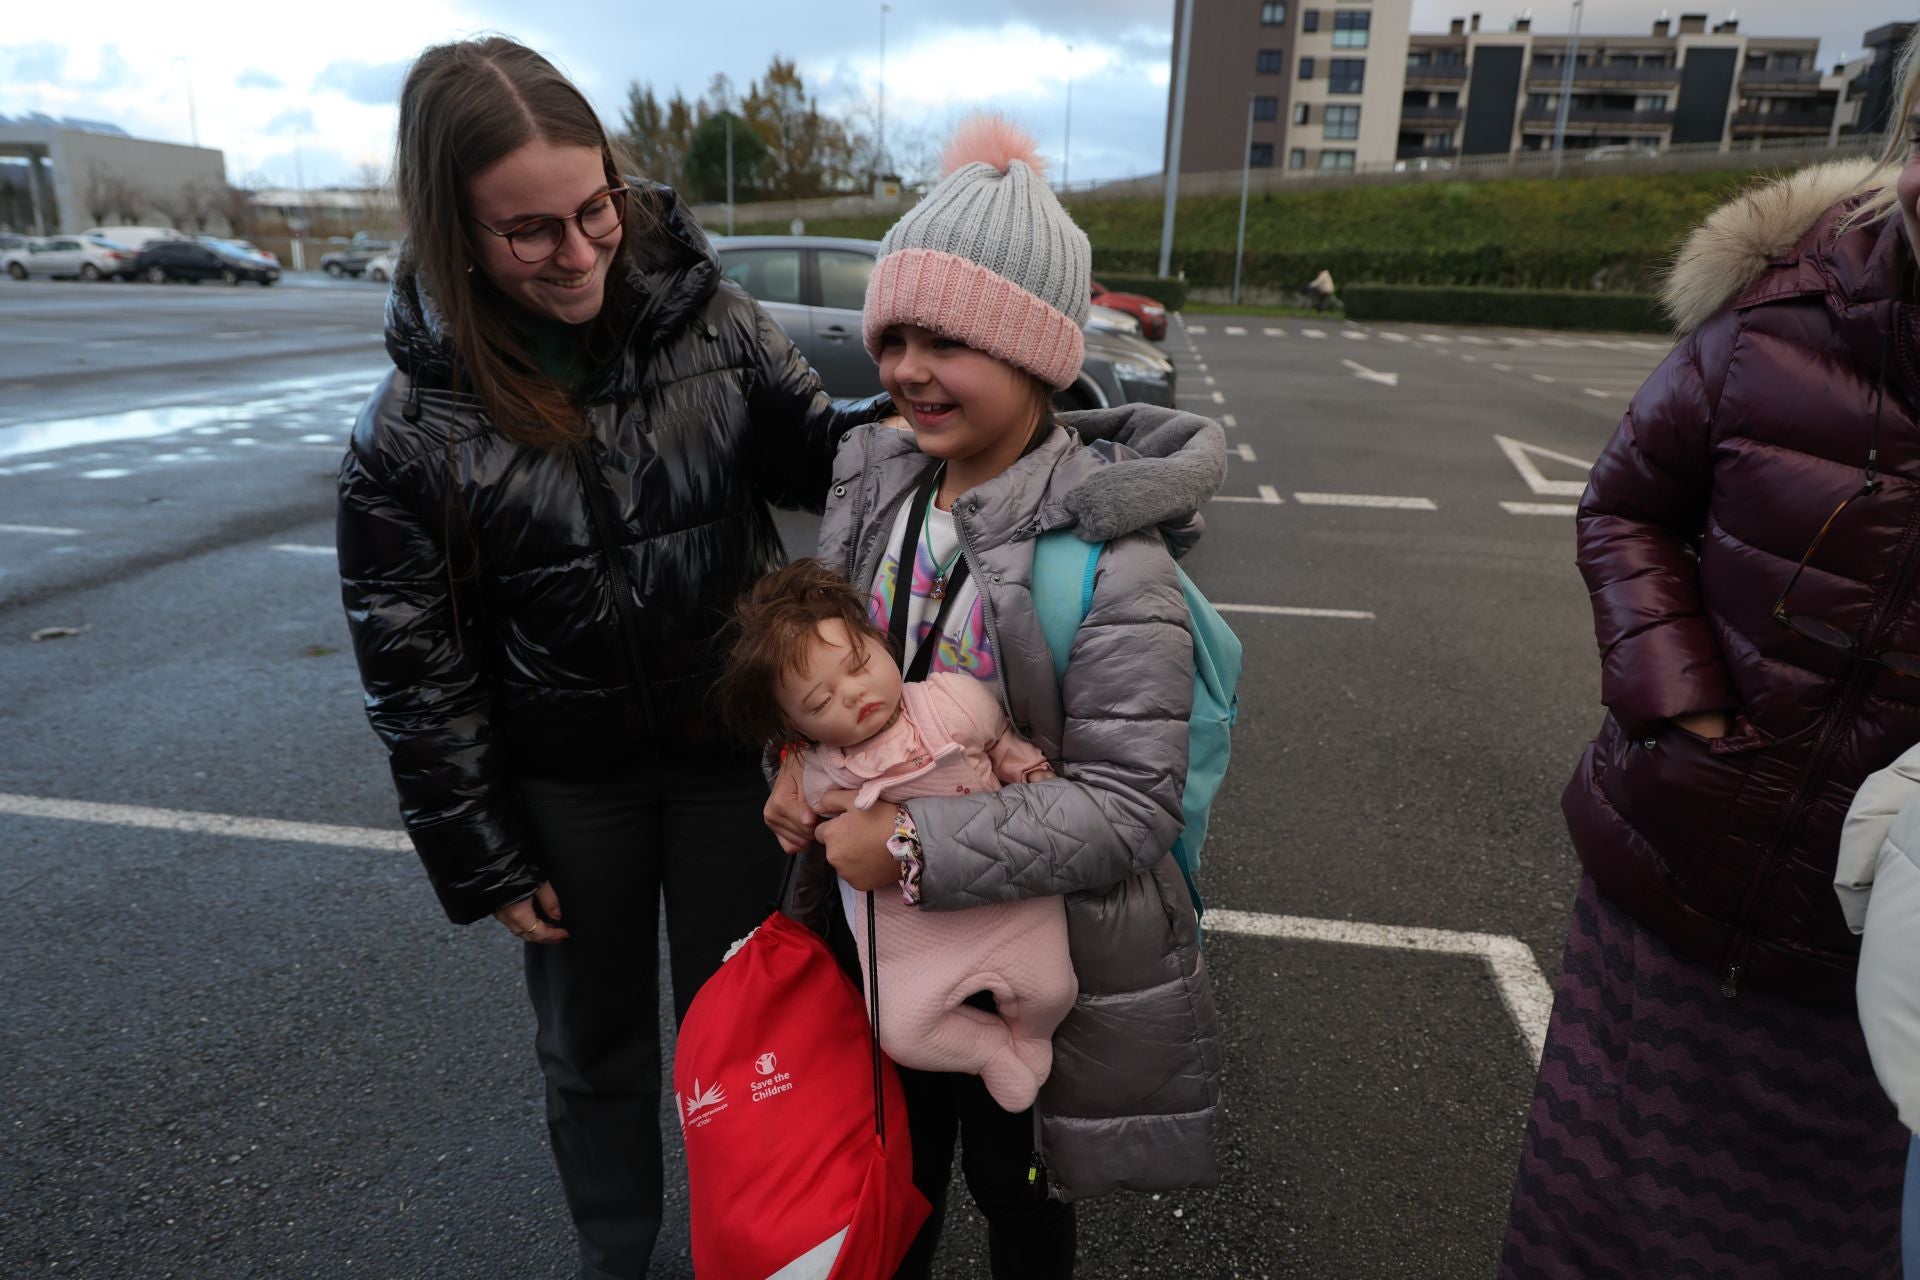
(1379, 500)
(1294, 611)
(50, 530)
(1542, 508)
(1269, 496)
(1235, 331)
(1246, 452)
(1369, 375)
(1516, 975)
(1275, 333)
(1522, 455)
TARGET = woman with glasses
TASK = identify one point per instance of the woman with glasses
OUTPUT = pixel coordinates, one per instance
(546, 514)
(1751, 540)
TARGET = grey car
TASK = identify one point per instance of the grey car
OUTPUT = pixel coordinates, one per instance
(814, 287)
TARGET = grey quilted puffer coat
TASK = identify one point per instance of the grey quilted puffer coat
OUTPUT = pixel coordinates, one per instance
(1134, 1099)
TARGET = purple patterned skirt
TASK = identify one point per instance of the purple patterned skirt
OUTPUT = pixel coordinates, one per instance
(1677, 1133)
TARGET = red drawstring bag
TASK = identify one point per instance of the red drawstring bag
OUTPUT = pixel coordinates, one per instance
(797, 1170)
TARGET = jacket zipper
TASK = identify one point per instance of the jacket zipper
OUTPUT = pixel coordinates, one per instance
(1742, 940)
(593, 487)
(986, 612)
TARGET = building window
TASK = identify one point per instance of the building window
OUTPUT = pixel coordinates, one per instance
(1343, 123)
(1300, 112)
(1346, 75)
(1273, 14)
(1306, 68)
(1350, 30)
(1310, 20)
(1270, 62)
(1266, 108)
(1337, 161)
(1296, 159)
(1261, 156)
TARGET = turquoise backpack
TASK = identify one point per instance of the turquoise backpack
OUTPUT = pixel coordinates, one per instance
(1063, 574)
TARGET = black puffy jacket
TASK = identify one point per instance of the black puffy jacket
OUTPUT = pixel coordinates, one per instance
(577, 630)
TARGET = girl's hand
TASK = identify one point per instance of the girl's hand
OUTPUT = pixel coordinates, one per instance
(786, 813)
(856, 841)
(526, 924)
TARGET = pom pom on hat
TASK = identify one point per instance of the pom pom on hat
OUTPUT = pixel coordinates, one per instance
(990, 138)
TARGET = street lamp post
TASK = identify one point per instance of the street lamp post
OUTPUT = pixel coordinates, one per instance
(729, 173)
(880, 153)
(1246, 172)
(1179, 124)
(1566, 92)
(193, 114)
(1066, 151)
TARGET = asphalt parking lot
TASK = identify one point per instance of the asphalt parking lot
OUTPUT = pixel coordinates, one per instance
(239, 1038)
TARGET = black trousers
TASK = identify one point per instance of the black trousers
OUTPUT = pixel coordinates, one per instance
(612, 847)
(1029, 1237)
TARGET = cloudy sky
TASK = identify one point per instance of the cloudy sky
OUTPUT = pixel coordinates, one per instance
(321, 86)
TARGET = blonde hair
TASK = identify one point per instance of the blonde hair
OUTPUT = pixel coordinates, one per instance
(1883, 198)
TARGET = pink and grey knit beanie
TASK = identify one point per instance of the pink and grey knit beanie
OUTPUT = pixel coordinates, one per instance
(988, 258)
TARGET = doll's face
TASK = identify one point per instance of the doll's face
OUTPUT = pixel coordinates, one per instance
(845, 692)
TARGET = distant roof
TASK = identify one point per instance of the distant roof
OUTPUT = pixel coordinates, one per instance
(66, 122)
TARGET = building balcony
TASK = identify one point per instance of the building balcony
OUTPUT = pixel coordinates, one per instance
(1423, 152)
(1431, 115)
(1779, 79)
(1542, 74)
(1449, 75)
(1608, 117)
(1783, 122)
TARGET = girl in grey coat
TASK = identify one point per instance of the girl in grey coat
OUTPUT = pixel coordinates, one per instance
(964, 323)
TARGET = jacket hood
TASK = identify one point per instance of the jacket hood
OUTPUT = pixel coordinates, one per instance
(669, 278)
(1733, 248)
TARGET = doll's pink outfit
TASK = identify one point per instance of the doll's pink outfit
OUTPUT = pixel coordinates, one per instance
(953, 738)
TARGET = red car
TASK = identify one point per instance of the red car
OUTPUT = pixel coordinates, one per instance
(1151, 315)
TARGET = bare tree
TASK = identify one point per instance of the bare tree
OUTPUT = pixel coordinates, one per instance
(235, 204)
(194, 205)
(109, 197)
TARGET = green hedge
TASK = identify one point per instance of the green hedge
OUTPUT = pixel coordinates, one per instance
(1170, 293)
(1522, 308)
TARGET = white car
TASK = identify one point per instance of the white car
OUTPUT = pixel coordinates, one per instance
(82, 257)
(380, 265)
(136, 238)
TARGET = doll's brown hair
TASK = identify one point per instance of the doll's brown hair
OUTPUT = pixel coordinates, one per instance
(772, 627)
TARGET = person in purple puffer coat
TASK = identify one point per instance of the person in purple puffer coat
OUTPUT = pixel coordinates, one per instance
(1751, 540)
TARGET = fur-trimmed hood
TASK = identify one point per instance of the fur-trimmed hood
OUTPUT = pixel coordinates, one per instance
(1733, 248)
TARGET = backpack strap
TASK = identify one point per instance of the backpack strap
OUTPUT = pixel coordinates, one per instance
(1064, 569)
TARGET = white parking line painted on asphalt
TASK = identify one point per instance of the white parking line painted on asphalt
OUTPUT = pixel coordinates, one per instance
(1296, 611)
(1598, 394)
(1541, 508)
(53, 531)
(1522, 455)
(1516, 975)
(1379, 500)
(1356, 334)
(1558, 342)
(24, 467)
(1372, 375)
(105, 473)
(1523, 989)
(317, 439)
(1194, 328)
(1269, 496)
(212, 824)
(1477, 340)
(1313, 333)
(1542, 377)
(1394, 337)
(1210, 381)
(1275, 333)
(1504, 368)
(1245, 452)
(1236, 331)
(1218, 398)
(1435, 337)
(237, 333)
(1228, 420)
(303, 549)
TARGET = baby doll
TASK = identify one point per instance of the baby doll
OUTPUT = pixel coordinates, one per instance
(810, 669)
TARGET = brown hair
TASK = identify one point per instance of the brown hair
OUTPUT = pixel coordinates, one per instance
(772, 627)
(464, 106)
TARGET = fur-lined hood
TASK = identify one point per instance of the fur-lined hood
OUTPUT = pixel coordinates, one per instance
(1733, 248)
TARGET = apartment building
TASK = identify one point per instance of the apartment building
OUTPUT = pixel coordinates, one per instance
(1322, 80)
(1473, 92)
(1870, 87)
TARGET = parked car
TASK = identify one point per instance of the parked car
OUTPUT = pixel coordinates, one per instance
(1151, 314)
(1108, 320)
(185, 260)
(244, 246)
(380, 265)
(1423, 164)
(136, 238)
(74, 257)
(815, 286)
(352, 259)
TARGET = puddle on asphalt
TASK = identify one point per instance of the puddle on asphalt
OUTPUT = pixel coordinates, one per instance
(271, 400)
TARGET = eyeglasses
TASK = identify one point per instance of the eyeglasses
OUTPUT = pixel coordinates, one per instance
(538, 239)
(1825, 633)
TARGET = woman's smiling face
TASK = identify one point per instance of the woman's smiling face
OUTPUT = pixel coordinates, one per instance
(541, 180)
